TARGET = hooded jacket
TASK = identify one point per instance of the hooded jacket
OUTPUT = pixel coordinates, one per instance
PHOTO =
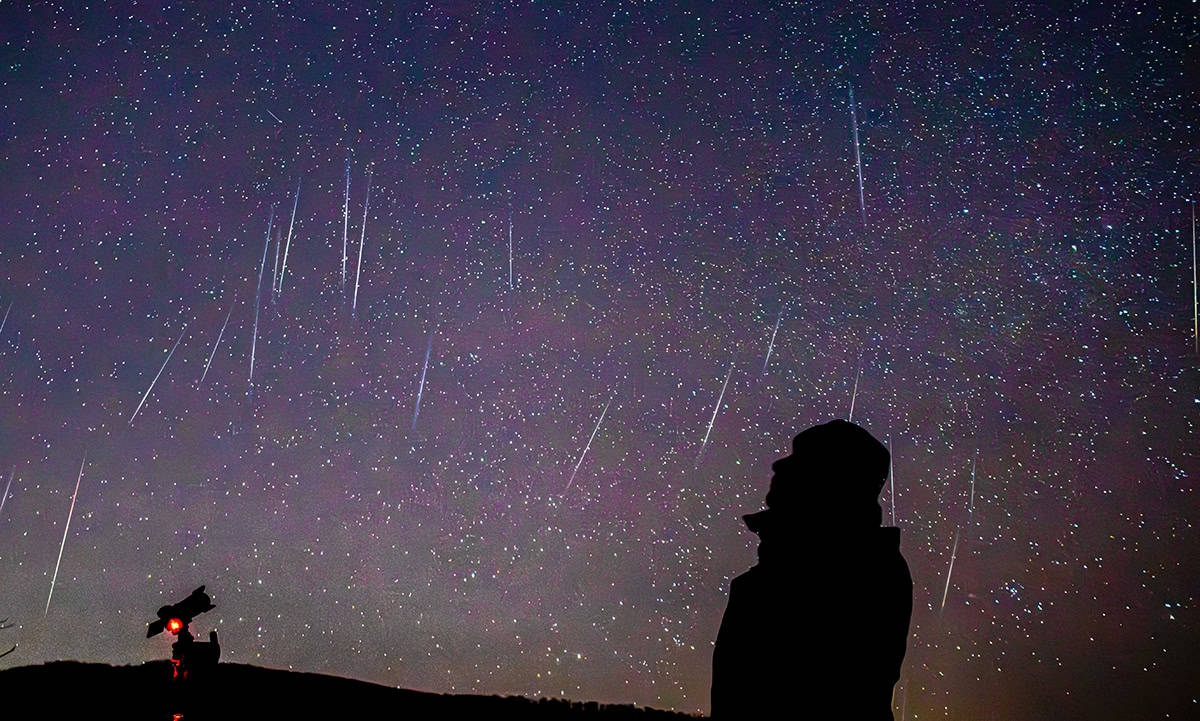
(815, 631)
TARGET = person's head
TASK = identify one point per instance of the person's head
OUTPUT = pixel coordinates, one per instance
(832, 479)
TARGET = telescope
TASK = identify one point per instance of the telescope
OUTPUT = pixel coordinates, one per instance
(176, 617)
(189, 657)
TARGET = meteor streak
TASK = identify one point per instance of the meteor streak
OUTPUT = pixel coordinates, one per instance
(215, 344)
(586, 447)
(361, 239)
(275, 270)
(258, 295)
(6, 487)
(160, 370)
(854, 394)
(421, 386)
(66, 528)
(714, 417)
(771, 345)
(287, 247)
(862, 205)
(953, 553)
(3, 322)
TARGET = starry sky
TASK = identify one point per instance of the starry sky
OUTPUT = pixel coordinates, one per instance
(505, 414)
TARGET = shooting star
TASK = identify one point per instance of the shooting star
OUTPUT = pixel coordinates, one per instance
(273, 115)
(6, 487)
(862, 204)
(854, 394)
(283, 269)
(510, 226)
(66, 528)
(216, 343)
(156, 375)
(946, 590)
(421, 385)
(771, 345)
(361, 239)
(5, 321)
(258, 295)
(345, 227)
(586, 447)
(275, 270)
(704, 443)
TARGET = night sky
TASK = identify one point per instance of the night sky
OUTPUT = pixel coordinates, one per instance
(530, 481)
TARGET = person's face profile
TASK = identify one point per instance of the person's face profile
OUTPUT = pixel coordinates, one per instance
(785, 465)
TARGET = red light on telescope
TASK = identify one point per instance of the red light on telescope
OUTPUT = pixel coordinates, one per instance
(174, 625)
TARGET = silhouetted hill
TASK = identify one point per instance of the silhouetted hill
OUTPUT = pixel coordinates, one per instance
(69, 689)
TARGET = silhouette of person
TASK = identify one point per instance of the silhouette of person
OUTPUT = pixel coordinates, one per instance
(818, 628)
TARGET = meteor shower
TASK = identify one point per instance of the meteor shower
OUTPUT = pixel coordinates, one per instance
(445, 345)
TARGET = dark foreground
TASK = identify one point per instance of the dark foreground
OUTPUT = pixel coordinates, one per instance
(72, 690)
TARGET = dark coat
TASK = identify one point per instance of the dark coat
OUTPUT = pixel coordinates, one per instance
(816, 630)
